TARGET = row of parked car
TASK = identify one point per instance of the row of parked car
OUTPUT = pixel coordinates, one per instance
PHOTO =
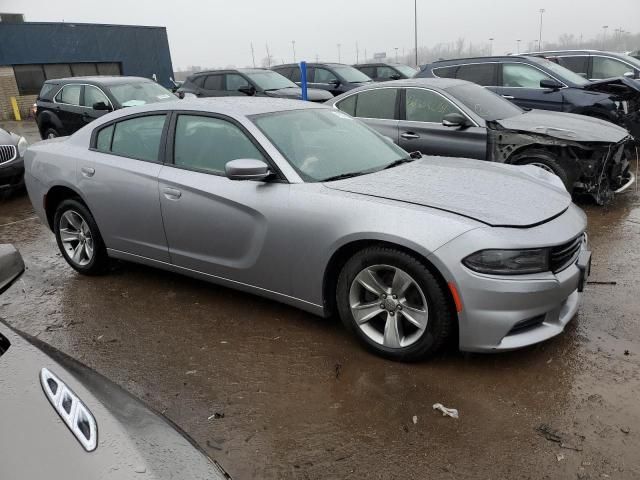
(305, 204)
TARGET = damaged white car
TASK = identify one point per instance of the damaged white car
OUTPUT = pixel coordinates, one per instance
(455, 118)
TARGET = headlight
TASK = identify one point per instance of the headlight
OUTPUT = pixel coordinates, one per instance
(509, 262)
(22, 146)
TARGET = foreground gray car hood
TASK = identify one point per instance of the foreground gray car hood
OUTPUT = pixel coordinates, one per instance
(133, 441)
(313, 94)
(492, 193)
(565, 126)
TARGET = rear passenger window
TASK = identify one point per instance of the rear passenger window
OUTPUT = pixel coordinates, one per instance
(348, 105)
(368, 71)
(69, 95)
(580, 65)
(484, 74)
(445, 72)
(135, 138)
(377, 104)
(213, 82)
(294, 75)
(198, 81)
(205, 143)
(103, 143)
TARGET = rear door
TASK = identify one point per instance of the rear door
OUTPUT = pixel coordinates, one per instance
(521, 85)
(485, 74)
(68, 109)
(224, 228)
(576, 63)
(119, 179)
(378, 108)
(422, 129)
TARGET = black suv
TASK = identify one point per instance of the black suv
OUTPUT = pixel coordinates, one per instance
(537, 83)
(246, 81)
(333, 77)
(594, 64)
(65, 105)
(383, 72)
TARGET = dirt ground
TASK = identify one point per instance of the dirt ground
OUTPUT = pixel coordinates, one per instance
(302, 400)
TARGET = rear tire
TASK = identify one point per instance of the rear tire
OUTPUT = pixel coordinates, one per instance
(402, 311)
(79, 239)
(546, 161)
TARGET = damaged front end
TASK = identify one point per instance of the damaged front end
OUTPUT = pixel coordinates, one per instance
(596, 168)
(625, 93)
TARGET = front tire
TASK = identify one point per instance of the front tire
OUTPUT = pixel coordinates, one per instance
(79, 239)
(394, 304)
(546, 161)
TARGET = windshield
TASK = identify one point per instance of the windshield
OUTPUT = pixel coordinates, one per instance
(351, 75)
(406, 70)
(564, 73)
(323, 143)
(132, 94)
(483, 102)
(632, 60)
(270, 80)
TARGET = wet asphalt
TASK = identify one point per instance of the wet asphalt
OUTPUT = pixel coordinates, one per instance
(297, 398)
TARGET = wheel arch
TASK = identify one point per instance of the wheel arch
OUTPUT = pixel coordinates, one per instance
(56, 195)
(47, 119)
(342, 254)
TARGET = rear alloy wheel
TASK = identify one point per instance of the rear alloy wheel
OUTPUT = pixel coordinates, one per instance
(51, 133)
(79, 239)
(393, 304)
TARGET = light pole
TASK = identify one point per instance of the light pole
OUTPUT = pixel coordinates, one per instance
(518, 42)
(415, 27)
(604, 35)
(293, 45)
(253, 56)
(357, 53)
(396, 49)
(540, 35)
(491, 46)
(339, 58)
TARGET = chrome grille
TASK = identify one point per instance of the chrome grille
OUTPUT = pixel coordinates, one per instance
(7, 153)
(564, 255)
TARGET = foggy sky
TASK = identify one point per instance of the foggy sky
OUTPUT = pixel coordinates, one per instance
(217, 33)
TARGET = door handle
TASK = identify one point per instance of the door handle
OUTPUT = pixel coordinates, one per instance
(172, 193)
(410, 135)
(508, 97)
(88, 171)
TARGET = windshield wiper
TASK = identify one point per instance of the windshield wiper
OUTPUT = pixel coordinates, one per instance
(399, 162)
(343, 175)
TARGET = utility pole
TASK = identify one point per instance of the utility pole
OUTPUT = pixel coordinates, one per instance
(540, 35)
(365, 54)
(357, 54)
(491, 46)
(293, 44)
(339, 58)
(268, 55)
(396, 49)
(604, 35)
(518, 42)
(317, 58)
(253, 56)
(415, 28)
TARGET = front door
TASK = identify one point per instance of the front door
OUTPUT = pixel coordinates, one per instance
(119, 180)
(325, 79)
(521, 85)
(225, 228)
(422, 128)
(91, 96)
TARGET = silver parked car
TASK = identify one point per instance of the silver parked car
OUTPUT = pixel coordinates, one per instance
(306, 205)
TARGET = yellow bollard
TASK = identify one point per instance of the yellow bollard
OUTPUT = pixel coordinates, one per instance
(16, 110)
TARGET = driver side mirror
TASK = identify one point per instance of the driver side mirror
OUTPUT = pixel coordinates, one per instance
(395, 76)
(247, 169)
(629, 74)
(11, 266)
(101, 106)
(455, 120)
(248, 90)
(335, 82)
(551, 84)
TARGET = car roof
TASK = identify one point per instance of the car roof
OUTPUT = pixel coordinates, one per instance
(434, 83)
(100, 79)
(486, 59)
(313, 64)
(232, 106)
(574, 52)
(230, 70)
(381, 64)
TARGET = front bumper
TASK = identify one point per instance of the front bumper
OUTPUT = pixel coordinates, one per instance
(12, 173)
(501, 313)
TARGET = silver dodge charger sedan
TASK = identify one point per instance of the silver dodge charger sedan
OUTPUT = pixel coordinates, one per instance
(304, 204)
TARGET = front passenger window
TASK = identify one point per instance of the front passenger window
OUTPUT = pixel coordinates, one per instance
(324, 76)
(69, 95)
(427, 106)
(207, 144)
(521, 75)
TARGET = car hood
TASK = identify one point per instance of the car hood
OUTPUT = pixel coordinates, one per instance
(313, 94)
(565, 126)
(491, 193)
(622, 87)
(132, 439)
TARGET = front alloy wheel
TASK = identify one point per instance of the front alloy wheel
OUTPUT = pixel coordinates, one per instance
(388, 306)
